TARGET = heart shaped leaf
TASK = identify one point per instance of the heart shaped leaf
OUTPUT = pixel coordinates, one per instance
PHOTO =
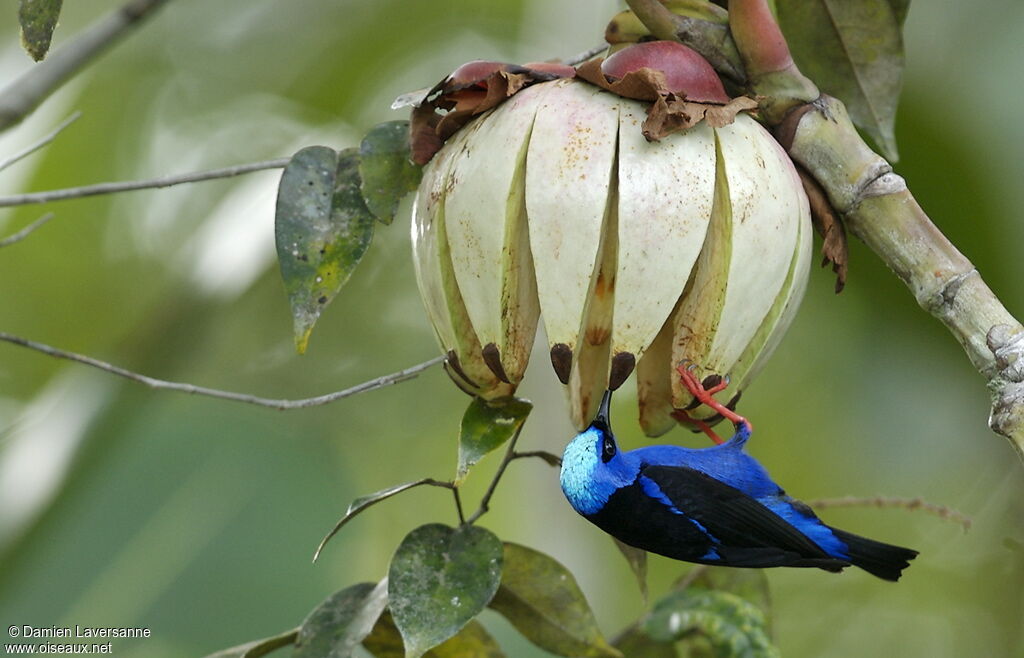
(439, 579)
(853, 50)
(387, 171)
(486, 425)
(542, 600)
(322, 229)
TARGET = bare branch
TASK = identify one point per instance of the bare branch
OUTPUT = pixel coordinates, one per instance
(130, 186)
(25, 232)
(159, 384)
(940, 511)
(22, 96)
(35, 146)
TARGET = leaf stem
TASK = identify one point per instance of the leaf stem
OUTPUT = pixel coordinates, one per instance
(361, 505)
(458, 504)
(129, 186)
(510, 454)
(280, 404)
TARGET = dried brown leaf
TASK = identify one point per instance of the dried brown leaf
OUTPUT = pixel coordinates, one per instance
(830, 227)
(669, 112)
(451, 104)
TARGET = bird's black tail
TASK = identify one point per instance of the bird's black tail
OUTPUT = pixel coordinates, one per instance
(883, 560)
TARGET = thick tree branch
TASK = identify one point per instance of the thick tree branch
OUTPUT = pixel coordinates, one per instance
(129, 186)
(22, 96)
(281, 404)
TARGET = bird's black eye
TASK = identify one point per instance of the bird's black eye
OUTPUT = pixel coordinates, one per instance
(608, 448)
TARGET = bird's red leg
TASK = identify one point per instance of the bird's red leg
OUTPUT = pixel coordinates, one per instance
(683, 417)
(703, 395)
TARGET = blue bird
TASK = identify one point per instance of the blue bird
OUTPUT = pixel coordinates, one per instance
(713, 505)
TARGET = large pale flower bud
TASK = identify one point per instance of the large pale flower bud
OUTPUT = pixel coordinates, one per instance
(636, 254)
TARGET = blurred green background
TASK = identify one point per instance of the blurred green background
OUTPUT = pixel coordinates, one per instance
(197, 518)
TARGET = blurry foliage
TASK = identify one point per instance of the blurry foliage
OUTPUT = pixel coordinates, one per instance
(197, 518)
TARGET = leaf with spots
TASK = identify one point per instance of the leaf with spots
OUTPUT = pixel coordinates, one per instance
(473, 640)
(258, 648)
(853, 50)
(322, 229)
(38, 18)
(338, 625)
(732, 626)
(486, 425)
(542, 600)
(386, 168)
(439, 579)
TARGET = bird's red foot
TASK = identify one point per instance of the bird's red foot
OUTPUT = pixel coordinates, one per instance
(706, 396)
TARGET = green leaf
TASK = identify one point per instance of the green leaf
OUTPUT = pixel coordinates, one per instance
(338, 625)
(258, 648)
(486, 426)
(853, 50)
(734, 627)
(38, 18)
(322, 229)
(633, 642)
(439, 579)
(541, 598)
(386, 169)
(637, 559)
(473, 640)
(360, 504)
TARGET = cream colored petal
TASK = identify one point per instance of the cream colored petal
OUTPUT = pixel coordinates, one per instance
(485, 217)
(764, 212)
(654, 374)
(665, 197)
(568, 171)
(436, 280)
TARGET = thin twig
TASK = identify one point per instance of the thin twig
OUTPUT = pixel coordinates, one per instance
(35, 146)
(159, 384)
(22, 96)
(129, 186)
(510, 454)
(25, 232)
(551, 458)
(940, 511)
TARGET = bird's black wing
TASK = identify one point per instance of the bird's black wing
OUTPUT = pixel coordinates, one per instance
(735, 519)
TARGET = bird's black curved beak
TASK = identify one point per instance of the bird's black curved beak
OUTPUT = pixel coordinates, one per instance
(603, 416)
